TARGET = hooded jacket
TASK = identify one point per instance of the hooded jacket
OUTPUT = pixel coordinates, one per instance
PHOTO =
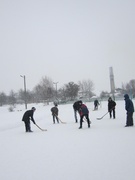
(128, 104)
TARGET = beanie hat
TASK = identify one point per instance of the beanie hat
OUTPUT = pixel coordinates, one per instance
(33, 108)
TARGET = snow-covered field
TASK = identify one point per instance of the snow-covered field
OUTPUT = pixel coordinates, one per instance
(106, 151)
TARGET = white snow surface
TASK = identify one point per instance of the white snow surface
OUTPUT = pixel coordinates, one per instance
(106, 151)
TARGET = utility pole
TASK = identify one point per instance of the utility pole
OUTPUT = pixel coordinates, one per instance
(25, 94)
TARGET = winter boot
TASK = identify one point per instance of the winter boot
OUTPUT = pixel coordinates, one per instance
(80, 127)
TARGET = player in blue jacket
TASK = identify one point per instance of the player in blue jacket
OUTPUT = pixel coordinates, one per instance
(129, 107)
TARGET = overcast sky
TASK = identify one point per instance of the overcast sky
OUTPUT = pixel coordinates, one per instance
(66, 40)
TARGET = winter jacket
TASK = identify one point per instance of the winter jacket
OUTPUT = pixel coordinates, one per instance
(129, 106)
(28, 115)
(96, 102)
(111, 105)
(54, 110)
(83, 110)
(76, 105)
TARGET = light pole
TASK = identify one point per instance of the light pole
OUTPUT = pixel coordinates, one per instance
(56, 87)
(25, 98)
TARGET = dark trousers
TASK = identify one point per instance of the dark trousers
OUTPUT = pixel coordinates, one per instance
(112, 111)
(27, 126)
(81, 119)
(129, 121)
(96, 107)
(55, 117)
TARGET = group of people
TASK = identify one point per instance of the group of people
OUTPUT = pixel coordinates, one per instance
(129, 107)
(80, 108)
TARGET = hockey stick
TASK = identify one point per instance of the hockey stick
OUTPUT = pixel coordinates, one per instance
(41, 128)
(104, 114)
(60, 119)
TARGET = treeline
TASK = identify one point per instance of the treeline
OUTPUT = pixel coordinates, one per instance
(46, 91)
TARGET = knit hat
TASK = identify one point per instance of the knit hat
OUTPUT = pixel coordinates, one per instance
(33, 108)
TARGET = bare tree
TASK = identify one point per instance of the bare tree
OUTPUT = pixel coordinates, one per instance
(86, 88)
(3, 98)
(130, 87)
(62, 94)
(44, 90)
(12, 98)
(104, 94)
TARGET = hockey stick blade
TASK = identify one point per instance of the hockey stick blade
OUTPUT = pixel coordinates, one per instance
(41, 128)
(99, 118)
(61, 121)
(102, 116)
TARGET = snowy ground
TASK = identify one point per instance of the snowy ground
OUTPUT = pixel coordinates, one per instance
(106, 151)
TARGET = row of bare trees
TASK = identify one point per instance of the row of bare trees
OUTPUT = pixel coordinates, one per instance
(46, 92)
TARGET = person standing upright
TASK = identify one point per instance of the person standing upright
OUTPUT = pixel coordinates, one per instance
(96, 103)
(129, 107)
(111, 107)
(55, 111)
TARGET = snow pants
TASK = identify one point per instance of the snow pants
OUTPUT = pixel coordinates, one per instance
(81, 119)
(129, 121)
(55, 117)
(27, 126)
(112, 112)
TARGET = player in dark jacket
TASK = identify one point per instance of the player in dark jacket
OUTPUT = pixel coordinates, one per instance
(55, 111)
(76, 107)
(111, 107)
(129, 106)
(96, 103)
(28, 115)
(84, 112)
